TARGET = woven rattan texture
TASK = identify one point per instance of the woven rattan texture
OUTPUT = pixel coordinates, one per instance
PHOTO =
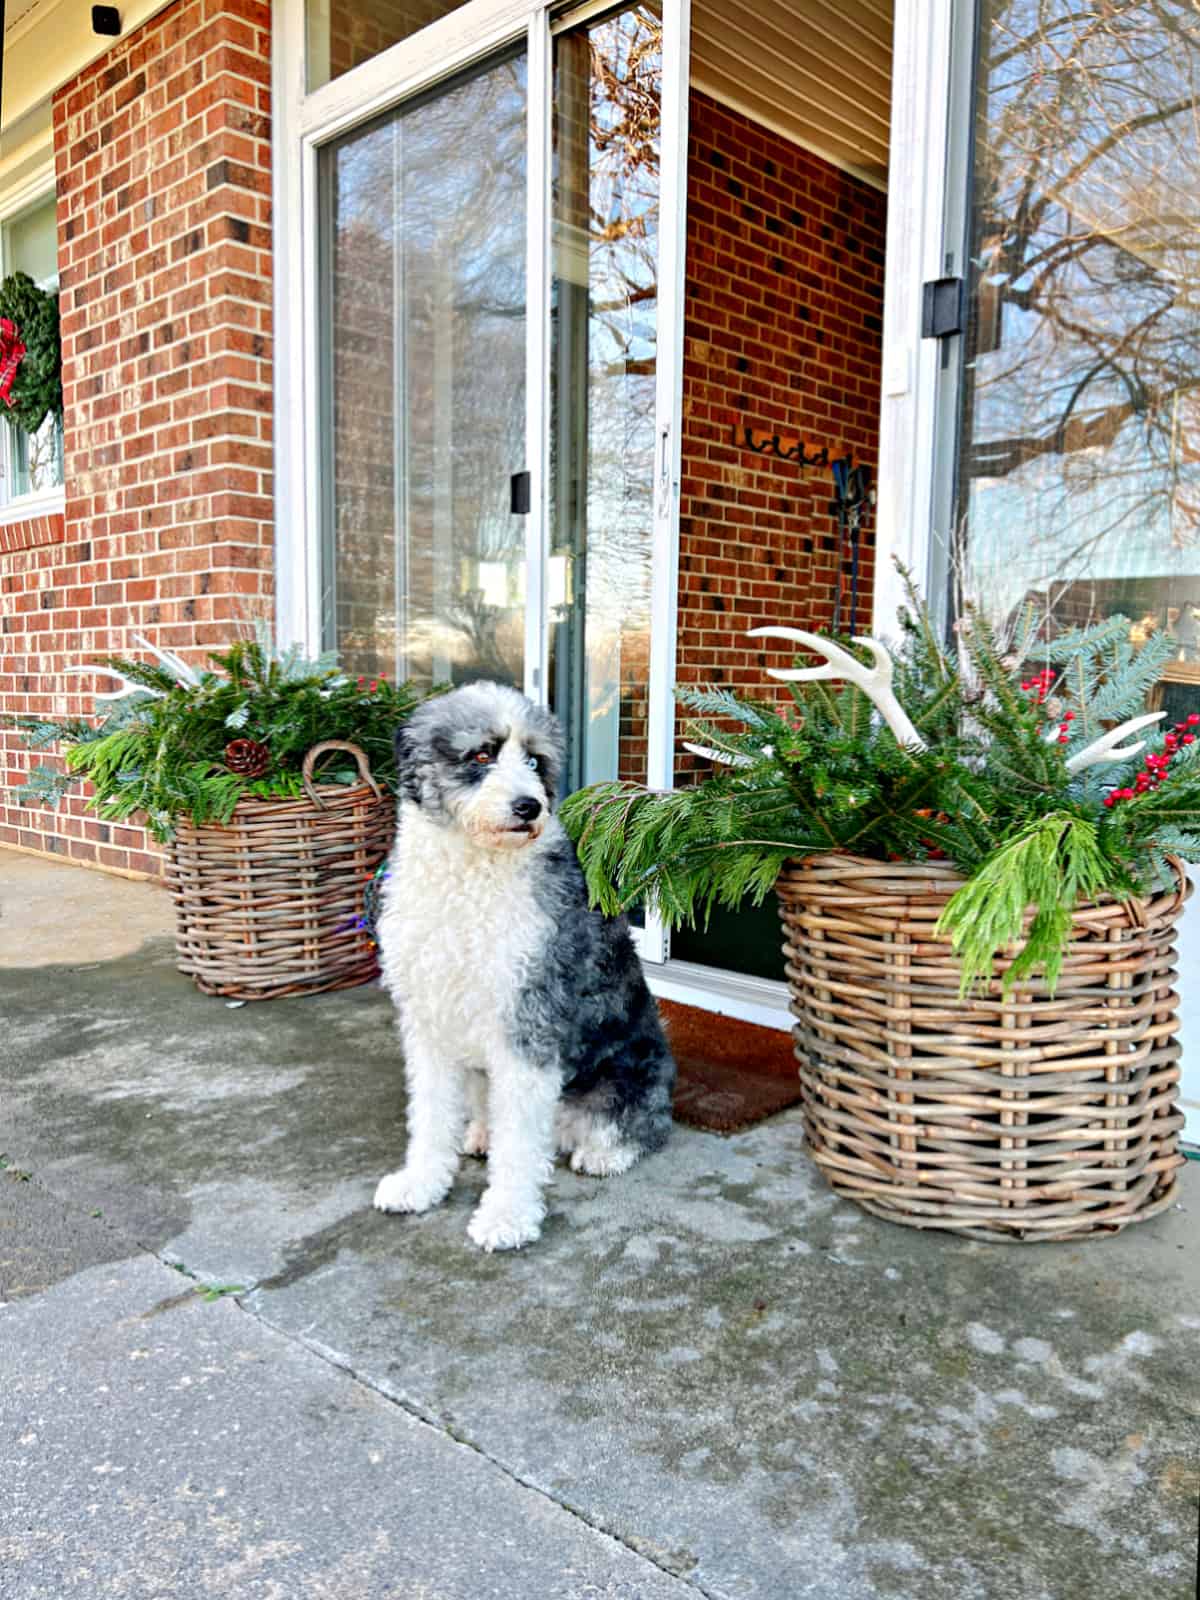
(1023, 1116)
(270, 904)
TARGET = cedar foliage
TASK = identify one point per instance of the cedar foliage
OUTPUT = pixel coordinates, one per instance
(991, 795)
(160, 749)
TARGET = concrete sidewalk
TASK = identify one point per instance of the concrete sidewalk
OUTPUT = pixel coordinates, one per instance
(710, 1378)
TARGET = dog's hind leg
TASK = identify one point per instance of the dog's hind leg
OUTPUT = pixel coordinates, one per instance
(521, 1102)
(475, 1139)
(592, 1140)
(435, 1121)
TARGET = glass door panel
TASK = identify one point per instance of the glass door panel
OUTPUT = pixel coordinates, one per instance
(604, 349)
(1079, 455)
(424, 331)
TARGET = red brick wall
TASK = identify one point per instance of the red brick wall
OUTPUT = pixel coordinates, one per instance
(162, 153)
(783, 320)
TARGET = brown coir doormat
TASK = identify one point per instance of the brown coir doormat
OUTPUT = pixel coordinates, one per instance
(731, 1074)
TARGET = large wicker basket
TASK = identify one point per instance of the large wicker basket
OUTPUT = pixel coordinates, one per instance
(270, 903)
(1026, 1116)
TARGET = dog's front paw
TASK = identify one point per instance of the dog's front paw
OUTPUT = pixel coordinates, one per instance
(603, 1161)
(497, 1227)
(475, 1140)
(408, 1191)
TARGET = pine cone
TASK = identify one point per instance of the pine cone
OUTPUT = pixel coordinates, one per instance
(247, 758)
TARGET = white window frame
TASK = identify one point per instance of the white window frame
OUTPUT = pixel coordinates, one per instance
(304, 122)
(36, 185)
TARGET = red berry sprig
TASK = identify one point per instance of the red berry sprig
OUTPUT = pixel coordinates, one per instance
(1155, 767)
(1040, 685)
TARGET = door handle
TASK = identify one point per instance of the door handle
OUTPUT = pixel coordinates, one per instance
(664, 469)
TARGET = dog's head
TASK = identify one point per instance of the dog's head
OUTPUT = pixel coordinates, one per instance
(485, 759)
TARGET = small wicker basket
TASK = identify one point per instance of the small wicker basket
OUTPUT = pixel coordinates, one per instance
(270, 903)
(1020, 1116)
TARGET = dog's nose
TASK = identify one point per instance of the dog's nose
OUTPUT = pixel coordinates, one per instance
(526, 808)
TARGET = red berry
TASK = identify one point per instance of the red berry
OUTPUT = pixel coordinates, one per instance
(1189, 738)
(1194, 719)
(361, 681)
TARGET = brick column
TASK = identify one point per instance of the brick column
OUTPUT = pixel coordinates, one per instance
(162, 153)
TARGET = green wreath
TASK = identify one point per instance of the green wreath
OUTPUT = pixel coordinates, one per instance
(35, 385)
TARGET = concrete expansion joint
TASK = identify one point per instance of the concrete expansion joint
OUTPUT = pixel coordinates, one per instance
(198, 1285)
(427, 1419)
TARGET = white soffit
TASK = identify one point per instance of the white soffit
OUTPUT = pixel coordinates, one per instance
(47, 42)
(818, 72)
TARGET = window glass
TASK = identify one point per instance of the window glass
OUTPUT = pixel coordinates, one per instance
(32, 463)
(424, 387)
(345, 33)
(1079, 456)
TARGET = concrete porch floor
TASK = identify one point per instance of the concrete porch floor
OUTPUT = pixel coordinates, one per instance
(710, 1378)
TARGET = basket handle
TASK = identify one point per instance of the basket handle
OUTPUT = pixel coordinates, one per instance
(306, 773)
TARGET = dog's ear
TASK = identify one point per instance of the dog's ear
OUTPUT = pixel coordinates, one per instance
(407, 785)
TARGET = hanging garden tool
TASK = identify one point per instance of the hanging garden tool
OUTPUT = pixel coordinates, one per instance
(851, 495)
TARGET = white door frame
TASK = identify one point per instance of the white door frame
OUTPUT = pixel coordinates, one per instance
(916, 252)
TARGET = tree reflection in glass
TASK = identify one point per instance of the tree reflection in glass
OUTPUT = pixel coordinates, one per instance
(1080, 453)
(425, 395)
(607, 112)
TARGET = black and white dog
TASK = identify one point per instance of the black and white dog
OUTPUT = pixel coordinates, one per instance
(524, 1015)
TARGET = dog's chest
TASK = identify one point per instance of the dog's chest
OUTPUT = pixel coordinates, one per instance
(460, 932)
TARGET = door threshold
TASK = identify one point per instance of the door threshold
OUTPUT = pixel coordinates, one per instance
(762, 1001)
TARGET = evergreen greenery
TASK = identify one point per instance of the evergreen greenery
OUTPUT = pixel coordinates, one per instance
(37, 387)
(991, 795)
(160, 749)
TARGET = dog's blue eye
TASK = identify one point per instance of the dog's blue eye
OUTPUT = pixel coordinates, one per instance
(531, 761)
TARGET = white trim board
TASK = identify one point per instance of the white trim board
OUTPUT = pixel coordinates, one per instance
(726, 994)
(27, 508)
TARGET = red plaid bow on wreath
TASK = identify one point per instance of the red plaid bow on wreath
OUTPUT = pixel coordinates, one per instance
(12, 350)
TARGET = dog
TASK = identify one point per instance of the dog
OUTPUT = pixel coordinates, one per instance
(526, 1022)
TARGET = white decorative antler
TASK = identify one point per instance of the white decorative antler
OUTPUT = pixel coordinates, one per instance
(874, 681)
(1108, 746)
(178, 669)
(723, 758)
(127, 684)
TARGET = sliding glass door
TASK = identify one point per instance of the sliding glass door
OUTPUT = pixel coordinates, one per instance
(495, 334)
